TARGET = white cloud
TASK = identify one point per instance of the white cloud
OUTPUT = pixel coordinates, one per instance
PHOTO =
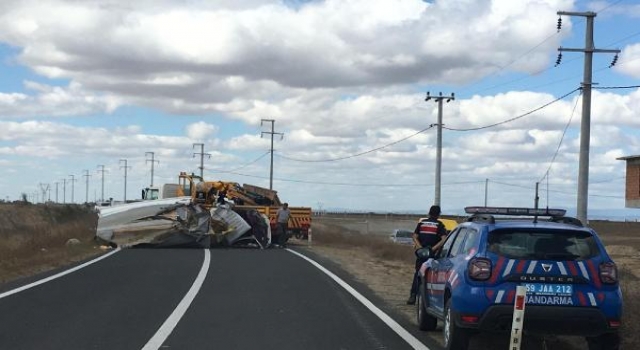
(200, 131)
(629, 62)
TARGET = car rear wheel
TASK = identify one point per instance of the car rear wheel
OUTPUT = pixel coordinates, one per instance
(607, 341)
(426, 322)
(455, 338)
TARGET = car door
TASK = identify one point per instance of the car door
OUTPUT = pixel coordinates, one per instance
(435, 274)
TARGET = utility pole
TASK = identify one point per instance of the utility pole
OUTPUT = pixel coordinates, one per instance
(86, 192)
(272, 132)
(102, 172)
(201, 154)
(125, 177)
(73, 179)
(585, 124)
(64, 190)
(153, 161)
(486, 191)
(439, 100)
(56, 191)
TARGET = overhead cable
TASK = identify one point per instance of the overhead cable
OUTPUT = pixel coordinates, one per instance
(564, 132)
(357, 154)
(518, 117)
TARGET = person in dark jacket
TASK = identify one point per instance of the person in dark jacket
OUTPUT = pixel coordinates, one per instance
(429, 233)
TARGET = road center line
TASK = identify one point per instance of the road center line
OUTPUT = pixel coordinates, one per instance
(58, 275)
(403, 333)
(167, 327)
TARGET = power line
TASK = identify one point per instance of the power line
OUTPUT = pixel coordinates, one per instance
(609, 6)
(553, 159)
(616, 87)
(242, 166)
(518, 117)
(357, 154)
(351, 184)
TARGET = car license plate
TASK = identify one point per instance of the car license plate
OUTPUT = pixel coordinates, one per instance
(549, 289)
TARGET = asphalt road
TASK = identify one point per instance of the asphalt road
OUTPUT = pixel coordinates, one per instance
(167, 299)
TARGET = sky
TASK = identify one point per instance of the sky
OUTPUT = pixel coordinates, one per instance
(87, 84)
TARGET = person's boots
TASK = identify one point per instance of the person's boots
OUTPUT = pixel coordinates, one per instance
(411, 300)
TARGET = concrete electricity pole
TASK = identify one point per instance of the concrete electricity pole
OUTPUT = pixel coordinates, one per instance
(73, 179)
(102, 172)
(153, 161)
(64, 190)
(56, 191)
(201, 154)
(439, 100)
(86, 193)
(272, 132)
(125, 167)
(585, 124)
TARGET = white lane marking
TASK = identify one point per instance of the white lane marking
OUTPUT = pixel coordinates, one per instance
(172, 321)
(403, 333)
(58, 275)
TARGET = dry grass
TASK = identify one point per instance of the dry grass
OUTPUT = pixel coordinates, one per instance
(33, 237)
(378, 246)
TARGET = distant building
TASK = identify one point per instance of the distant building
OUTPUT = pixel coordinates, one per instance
(632, 186)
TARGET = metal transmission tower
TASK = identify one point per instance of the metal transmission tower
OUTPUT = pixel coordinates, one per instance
(102, 172)
(125, 167)
(44, 188)
(73, 179)
(439, 100)
(272, 132)
(585, 124)
(153, 161)
(201, 154)
(86, 193)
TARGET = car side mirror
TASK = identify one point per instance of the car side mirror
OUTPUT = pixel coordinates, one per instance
(424, 253)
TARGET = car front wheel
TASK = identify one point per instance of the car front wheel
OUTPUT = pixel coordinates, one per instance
(455, 338)
(426, 322)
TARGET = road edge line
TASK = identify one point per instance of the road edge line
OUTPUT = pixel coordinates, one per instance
(58, 275)
(171, 322)
(390, 322)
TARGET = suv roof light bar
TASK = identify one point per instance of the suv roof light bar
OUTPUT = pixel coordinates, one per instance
(515, 211)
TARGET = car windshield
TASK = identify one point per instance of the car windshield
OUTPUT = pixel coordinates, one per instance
(540, 244)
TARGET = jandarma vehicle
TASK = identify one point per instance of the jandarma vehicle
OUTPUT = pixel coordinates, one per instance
(572, 283)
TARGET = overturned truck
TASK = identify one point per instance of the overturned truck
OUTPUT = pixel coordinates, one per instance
(203, 214)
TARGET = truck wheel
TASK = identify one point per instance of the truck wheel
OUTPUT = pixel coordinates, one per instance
(298, 234)
(607, 341)
(455, 338)
(426, 322)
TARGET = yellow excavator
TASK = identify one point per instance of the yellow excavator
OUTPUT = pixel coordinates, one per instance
(265, 201)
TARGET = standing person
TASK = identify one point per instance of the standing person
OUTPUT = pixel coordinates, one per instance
(429, 233)
(282, 222)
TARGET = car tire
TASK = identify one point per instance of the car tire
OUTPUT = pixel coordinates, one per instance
(607, 341)
(455, 338)
(426, 322)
